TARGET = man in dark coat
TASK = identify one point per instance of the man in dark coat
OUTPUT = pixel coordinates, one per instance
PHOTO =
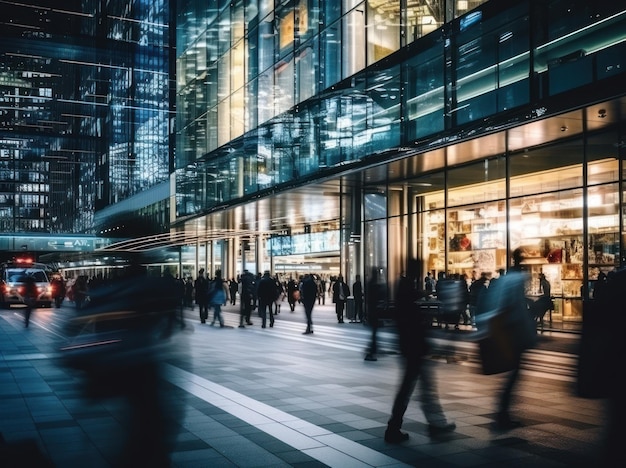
(308, 293)
(247, 296)
(414, 346)
(357, 292)
(266, 294)
(341, 291)
(201, 287)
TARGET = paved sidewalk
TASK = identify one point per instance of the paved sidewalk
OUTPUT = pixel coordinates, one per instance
(273, 397)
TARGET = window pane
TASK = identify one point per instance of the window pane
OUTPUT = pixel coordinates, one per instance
(383, 32)
(331, 55)
(547, 169)
(353, 43)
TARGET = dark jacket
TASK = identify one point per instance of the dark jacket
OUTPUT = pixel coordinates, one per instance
(410, 323)
(338, 286)
(201, 286)
(308, 291)
(266, 289)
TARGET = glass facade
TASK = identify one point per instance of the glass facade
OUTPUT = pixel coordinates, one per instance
(254, 101)
(537, 200)
(84, 110)
(482, 115)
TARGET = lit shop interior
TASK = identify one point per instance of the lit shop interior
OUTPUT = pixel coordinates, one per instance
(562, 212)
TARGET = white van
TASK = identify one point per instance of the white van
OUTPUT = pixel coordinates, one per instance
(12, 283)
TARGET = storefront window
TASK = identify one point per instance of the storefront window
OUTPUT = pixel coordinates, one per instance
(484, 181)
(549, 228)
(547, 169)
(476, 237)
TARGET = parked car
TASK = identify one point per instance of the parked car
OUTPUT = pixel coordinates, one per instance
(13, 276)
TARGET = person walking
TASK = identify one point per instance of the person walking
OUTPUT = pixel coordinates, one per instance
(201, 287)
(292, 293)
(266, 294)
(233, 286)
(341, 291)
(189, 292)
(30, 297)
(374, 297)
(218, 292)
(280, 294)
(357, 292)
(246, 295)
(476, 290)
(511, 301)
(414, 347)
(308, 293)
(57, 284)
(321, 291)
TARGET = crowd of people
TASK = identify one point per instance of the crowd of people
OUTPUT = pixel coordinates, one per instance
(477, 300)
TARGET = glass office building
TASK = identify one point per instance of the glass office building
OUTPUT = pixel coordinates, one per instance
(450, 131)
(85, 113)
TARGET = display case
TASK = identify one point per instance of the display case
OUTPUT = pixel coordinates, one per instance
(476, 240)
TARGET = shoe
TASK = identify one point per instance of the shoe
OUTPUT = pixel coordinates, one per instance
(395, 437)
(242, 326)
(249, 323)
(271, 325)
(202, 321)
(370, 357)
(221, 325)
(505, 423)
(262, 326)
(435, 430)
(308, 332)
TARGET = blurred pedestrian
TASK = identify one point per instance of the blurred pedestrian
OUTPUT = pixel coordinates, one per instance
(29, 296)
(308, 293)
(293, 294)
(218, 292)
(233, 286)
(246, 295)
(476, 290)
(608, 348)
(266, 294)
(189, 292)
(201, 287)
(414, 347)
(321, 291)
(136, 309)
(57, 284)
(357, 293)
(375, 298)
(341, 291)
(512, 303)
(280, 295)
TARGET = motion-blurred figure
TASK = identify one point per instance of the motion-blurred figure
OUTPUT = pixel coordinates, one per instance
(29, 293)
(58, 290)
(309, 292)
(511, 302)
(341, 291)
(201, 287)
(602, 349)
(414, 347)
(375, 298)
(119, 341)
(266, 294)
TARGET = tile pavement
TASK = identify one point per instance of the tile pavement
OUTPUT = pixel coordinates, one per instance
(275, 398)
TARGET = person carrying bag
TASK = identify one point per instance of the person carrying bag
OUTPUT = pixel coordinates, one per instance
(509, 330)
